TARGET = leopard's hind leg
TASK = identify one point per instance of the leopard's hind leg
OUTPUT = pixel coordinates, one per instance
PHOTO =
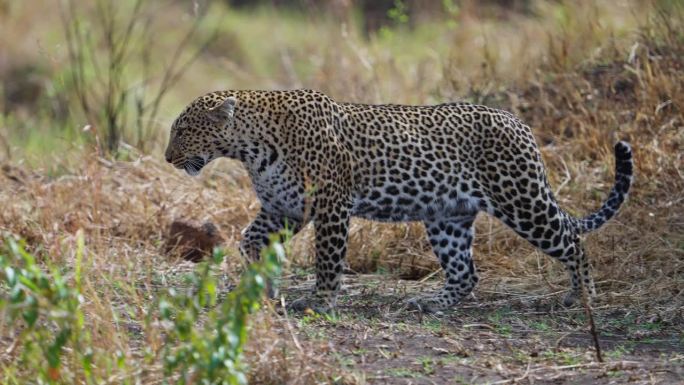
(452, 241)
(577, 264)
(555, 233)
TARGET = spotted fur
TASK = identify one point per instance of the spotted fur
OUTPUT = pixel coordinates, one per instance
(311, 158)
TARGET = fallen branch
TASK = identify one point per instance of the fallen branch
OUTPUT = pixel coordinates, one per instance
(590, 317)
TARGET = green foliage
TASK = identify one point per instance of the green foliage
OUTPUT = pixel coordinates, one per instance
(46, 312)
(562, 357)
(428, 364)
(399, 16)
(498, 318)
(540, 325)
(399, 13)
(618, 352)
(452, 9)
(404, 372)
(205, 336)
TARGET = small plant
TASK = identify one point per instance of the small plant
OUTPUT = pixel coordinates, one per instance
(205, 336)
(43, 313)
(360, 352)
(111, 72)
(313, 318)
(403, 372)
(562, 357)
(618, 353)
(433, 325)
(541, 326)
(497, 319)
(428, 365)
(399, 12)
(399, 15)
(452, 10)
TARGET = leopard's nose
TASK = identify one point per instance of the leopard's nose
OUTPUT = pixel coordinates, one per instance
(168, 158)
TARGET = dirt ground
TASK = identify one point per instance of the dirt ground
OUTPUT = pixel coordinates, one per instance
(493, 337)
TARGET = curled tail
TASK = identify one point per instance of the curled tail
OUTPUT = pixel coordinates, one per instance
(623, 180)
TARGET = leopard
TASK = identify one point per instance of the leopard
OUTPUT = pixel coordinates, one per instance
(313, 159)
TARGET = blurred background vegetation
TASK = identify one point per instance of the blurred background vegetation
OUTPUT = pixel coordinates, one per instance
(105, 71)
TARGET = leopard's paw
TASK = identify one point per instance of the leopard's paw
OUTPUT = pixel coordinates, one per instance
(311, 304)
(572, 297)
(429, 305)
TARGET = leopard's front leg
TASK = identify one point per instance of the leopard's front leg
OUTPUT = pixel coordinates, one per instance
(256, 237)
(331, 220)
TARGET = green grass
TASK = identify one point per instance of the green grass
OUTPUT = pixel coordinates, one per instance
(498, 320)
(562, 357)
(427, 364)
(618, 352)
(540, 325)
(404, 372)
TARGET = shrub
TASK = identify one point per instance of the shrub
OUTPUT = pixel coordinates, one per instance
(203, 334)
(111, 71)
(44, 311)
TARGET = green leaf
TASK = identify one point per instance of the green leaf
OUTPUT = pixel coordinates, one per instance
(26, 281)
(54, 351)
(30, 315)
(87, 362)
(120, 359)
(165, 309)
(217, 255)
(80, 246)
(16, 295)
(10, 276)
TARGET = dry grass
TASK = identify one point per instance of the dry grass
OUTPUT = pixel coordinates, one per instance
(124, 210)
(578, 103)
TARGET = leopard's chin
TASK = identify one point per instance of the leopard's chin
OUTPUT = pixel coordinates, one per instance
(192, 171)
(194, 165)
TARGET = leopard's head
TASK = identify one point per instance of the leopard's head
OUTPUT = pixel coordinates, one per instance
(203, 132)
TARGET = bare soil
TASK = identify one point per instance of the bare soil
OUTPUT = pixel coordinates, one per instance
(492, 337)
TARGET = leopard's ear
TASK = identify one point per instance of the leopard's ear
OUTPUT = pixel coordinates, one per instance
(224, 110)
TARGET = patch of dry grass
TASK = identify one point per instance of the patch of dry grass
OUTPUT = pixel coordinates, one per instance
(124, 210)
